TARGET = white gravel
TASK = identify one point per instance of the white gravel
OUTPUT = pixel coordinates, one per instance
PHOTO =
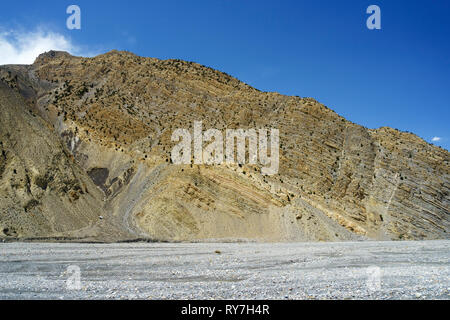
(346, 270)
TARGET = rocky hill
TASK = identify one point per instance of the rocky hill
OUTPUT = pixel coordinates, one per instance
(86, 154)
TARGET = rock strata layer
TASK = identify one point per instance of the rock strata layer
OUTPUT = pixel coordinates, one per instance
(85, 153)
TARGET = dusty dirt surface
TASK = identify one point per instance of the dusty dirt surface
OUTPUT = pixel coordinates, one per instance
(343, 270)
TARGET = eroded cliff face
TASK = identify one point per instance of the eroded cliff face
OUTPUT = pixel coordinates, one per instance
(43, 191)
(110, 121)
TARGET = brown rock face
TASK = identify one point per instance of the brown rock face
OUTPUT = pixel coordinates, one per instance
(89, 137)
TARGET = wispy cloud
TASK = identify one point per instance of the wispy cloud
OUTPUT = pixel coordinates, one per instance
(24, 47)
(436, 139)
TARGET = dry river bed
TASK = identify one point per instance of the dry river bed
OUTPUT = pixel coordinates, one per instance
(345, 270)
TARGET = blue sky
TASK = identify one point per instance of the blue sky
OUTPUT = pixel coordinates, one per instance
(398, 76)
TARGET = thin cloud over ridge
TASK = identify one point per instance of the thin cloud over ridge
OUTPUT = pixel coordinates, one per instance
(23, 47)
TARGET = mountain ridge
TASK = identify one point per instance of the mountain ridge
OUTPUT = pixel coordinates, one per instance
(337, 181)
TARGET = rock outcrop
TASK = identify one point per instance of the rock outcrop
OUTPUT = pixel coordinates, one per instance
(89, 137)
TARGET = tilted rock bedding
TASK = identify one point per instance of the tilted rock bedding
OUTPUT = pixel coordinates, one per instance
(86, 154)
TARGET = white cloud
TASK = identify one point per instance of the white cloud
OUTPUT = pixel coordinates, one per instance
(436, 139)
(24, 47)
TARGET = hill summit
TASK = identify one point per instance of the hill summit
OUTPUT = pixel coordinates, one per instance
(85, 154)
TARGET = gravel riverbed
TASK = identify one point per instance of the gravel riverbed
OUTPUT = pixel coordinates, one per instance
(345, 270)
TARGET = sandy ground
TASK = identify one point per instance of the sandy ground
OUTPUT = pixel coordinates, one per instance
(346, 270)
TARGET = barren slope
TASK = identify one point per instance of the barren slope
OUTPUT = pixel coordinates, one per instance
(116, 113)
